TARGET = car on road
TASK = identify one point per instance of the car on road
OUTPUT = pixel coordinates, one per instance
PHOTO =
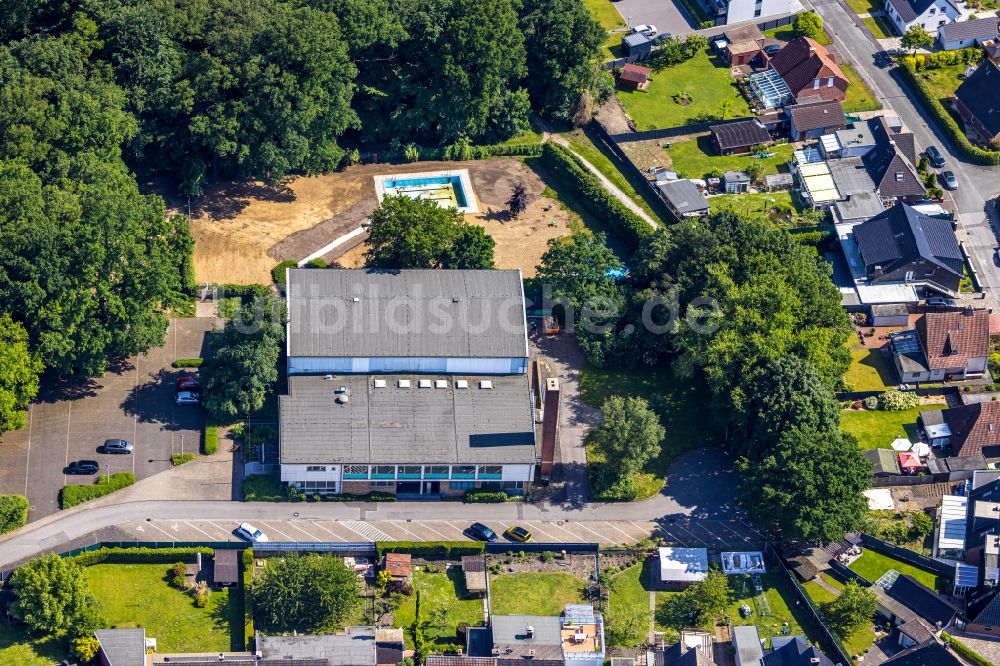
(772, 49)
(949, 180)
(187, 398)
(82, 467)
(251, 533)
(116, 446)
(480, 532)
(188, 383)
(646, 29)
(935, 157)
(518, 533)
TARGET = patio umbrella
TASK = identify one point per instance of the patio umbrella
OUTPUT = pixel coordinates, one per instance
(921, 449)
(901, 444)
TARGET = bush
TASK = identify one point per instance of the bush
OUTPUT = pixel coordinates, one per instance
(13, 512)
(871, 402)
(181, 458)
(431, 548)
(85, 648)
(178, 576)
(315, 263)
(264, 488)
(210, 440)
(591, 193)
(141, 555)
(278, 272)
(480, 496)
(244, 290)
(945, 120)
(964, 650)
(187, 363)
(808, 24)
(73, 495)
(897, 401)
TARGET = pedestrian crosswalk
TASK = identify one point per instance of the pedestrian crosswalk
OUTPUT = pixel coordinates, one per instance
(367, 530)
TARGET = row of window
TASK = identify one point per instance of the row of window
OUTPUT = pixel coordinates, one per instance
(419, 471)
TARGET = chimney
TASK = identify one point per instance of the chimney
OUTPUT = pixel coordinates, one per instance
(550, 427)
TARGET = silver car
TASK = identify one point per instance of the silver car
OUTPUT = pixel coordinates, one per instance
(117, 446)
(187, 398)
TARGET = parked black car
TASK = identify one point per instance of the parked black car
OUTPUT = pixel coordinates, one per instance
(935, 157)
(82, 467)
(480, 532)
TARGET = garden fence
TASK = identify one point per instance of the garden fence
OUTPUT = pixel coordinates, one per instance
(625, 164)
(908, 556)
(669, 132)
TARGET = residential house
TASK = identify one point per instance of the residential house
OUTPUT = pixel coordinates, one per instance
(739, 137)
(892, 164)
(683, 198)
(794, 651)
(899, 245)
(884, 462)
(811, 121)
(975, 430)
(925, 654)
(983, 518)
(693, 649)
(634, 77)
(390, 389)
(747, 646)
(680, 567)
(809, 71)
(121, 647)
(982, 614)
(943, 346)
(925, 602)
(745, 46)
(857, 208)
(575, 638)
(967, 34)
(977, 100)
(356, 646)
(927, 14)
(737, 11)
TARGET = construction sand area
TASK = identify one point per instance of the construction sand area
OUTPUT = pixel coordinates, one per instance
(242, 230)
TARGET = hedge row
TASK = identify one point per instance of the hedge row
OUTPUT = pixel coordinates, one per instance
(210, 440)
(480, 496)
(598, 201)
(278, 272)
(248, 630)
(73, 495)
(181, 458)
(187, 363)
(242, 290)
(964, 650)
(140, 555)
(947, 122)
(13, 512)
(431, 548)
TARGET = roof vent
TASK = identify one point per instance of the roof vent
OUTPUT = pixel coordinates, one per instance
(356, 299)
(440, 383)
(341, 390)
(461, 384)
(486, 384)
(423, 383)
(403, 383)
(379, 383)
(456, 299)
(343, 399)
(328, 378)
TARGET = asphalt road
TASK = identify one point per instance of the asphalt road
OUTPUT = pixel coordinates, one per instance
(976, 183)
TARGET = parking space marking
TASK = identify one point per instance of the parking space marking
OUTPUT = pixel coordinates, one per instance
(155, 526)
(428, 527)
(395, 524)
(316, 523)
(275, 529)
(293, 524)
(681, 527)
(557, 526)
(537, 527)
(198, 529)
(600, 537)
(228, 533)
(627, 536)
(367, 530)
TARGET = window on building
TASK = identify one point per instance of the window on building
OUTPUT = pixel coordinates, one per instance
(383, 484)
(463, 485)
(909, 276)
(409, 472)
(491, 485)
(436, 472)
(384, 472)
(356, 471)
(490, 471)
(829, 82)
(463, 472)
(815, 84)
(316, 468)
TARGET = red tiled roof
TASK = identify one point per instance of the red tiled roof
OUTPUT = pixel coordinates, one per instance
(950, 339)
(803, 60)
(635, 73)
(975, 429)
(398, 564)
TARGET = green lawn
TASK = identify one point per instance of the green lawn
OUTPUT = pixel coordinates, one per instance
(787, 33)
(698, 158)
(529, 137)
(770, 619)
(703, 77)
(535, 593)
(859, 95)
(943, 81)
(779, 208)
(872, 565)
(138, 595)
(860, 640)
(590, 151)
(878, 26)
(440, 591)
(607, 15)
(681, 406)
(630, 589)
(870, 370)
(876, 429)
(18, 648)
(865, 6)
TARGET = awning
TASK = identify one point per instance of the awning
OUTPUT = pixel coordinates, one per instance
(937, 431)
(909, 460)
(951, 530)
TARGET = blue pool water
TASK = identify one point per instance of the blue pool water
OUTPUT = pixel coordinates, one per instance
(454, 181)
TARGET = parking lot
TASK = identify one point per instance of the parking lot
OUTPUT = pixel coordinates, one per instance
(132, 402)
(667, 15)
(712, 533)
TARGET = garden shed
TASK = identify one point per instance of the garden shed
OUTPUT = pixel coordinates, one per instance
(637, 45)
(225, 570)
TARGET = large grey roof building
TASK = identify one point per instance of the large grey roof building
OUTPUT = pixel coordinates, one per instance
(354, 647)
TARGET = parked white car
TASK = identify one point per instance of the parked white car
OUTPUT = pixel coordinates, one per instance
(251, 533)
(646, 29)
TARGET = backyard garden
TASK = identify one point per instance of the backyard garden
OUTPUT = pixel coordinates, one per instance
(444, 603)
(876, 429)
(870, 369)
(872, 565)
(856, 642)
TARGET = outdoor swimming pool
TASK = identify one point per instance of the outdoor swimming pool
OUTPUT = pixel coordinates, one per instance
(451, 189)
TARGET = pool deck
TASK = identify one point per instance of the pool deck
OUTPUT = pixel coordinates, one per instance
(472, 205)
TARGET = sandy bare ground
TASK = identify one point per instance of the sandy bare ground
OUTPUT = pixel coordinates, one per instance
(242, 230)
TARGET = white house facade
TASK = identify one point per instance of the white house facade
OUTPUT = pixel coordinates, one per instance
(927, 14)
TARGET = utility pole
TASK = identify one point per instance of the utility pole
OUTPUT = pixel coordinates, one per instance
(182, 443)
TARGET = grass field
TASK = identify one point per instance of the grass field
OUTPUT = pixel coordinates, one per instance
(629, 589)
(859, 96)
(855, 643)
(779, 609)
(878, 26)
(138, 595)
(535, 593)
(584, 144)
(698, 158)
(943, 81)
(865, 6)
(703, 77)
(680, 405)
(876, 429)
(872, 565)
(870, 369)
(787, 33)
(779, 208)
(18, 648)
(605, 13)
(444, 591)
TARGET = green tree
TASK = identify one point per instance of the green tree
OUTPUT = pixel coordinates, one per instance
(243, 368)
(19, 370)
(85, 648)
(518, 200)
(808, 24)
(629, 436)
(13, 512)
(708, 598)
(916, 38)
(306, 593)
(923, 525)
(49, 592)
(627, 624)
(576, 269)
(417, 233)
(808, 486)
(854, 609)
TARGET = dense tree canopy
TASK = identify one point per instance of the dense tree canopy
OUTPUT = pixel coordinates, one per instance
(306, 593)
(49, 592)
(629, 437)
(19, 370)
(854, 609)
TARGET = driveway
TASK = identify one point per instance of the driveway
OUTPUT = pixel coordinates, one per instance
(133, 401)
(667, 16)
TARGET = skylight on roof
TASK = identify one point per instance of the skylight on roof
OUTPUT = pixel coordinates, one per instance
(379, 383)
(461, 384)
(423, 383)
(403, 383)
(486, 384)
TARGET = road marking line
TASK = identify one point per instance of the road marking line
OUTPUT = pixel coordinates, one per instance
(398, 527)
(537, 528)
(292, 524)
(198, 529)
(704, 543)
(599, 536)
(272, 527)
(152, 524)
(424, 524)
(367, 530)
(27, 460)
(627, 536)
(316, 523)
(228, 533)
(556, 526)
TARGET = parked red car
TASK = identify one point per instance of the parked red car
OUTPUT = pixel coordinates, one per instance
(188, 383)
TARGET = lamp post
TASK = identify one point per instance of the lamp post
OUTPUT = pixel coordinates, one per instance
(107, 472)
(182, 443)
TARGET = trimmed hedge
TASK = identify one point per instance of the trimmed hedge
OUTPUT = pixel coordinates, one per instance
(479, 496)
(248, 631)
(243, 290)
(73, 495)
(598, 201)
(13, 512)
(210, 440)
(187, 363)
(278, 272)
(140, 555)
(181, 458)
(431, 548)
(947, 122)
(964, 650)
